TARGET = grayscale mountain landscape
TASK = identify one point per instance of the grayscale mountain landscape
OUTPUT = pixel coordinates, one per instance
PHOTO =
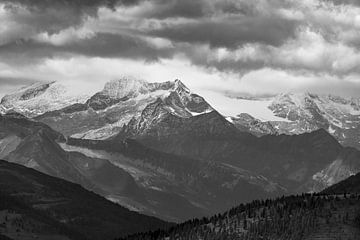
(177, 120)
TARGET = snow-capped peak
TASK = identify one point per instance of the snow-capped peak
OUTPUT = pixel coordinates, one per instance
(26, 93)
(125, 86)
(40, 97)
(133, 87)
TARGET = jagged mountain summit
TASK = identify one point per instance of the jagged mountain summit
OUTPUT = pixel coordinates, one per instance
(104, 114)
(303, 112)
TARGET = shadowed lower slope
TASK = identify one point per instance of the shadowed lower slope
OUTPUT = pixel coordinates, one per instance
(35, 204)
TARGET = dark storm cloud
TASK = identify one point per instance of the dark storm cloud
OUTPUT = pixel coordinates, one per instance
(175, 8)
(230, 33)
(186, 26)
(269, 39)
(196, 9)
(101, 45)
(53, 16)
(114, 45)
(345, 2)
(79, 5)
(212, 24)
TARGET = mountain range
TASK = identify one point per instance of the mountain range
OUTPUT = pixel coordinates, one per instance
(296, 113)
(163, 150)
(124, 99)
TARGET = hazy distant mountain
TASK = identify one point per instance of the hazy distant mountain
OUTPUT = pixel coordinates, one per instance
(36, 206)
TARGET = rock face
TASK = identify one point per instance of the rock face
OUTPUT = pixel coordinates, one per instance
(159, 122)
(246, 122)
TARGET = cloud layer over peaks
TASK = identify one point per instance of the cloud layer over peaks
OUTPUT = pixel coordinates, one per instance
(261, 45)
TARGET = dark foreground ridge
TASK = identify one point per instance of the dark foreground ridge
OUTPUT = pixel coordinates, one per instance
(37, 206)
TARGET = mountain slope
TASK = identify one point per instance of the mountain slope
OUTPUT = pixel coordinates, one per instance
(306, 162)
(35, 204)
(210, 187)
(33, 144)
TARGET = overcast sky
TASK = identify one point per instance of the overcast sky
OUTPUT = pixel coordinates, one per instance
(234, 46)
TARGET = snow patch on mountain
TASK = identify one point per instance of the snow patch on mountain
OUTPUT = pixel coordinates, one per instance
(232, 107)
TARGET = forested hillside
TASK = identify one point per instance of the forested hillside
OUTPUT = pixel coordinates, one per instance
(304, 217)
